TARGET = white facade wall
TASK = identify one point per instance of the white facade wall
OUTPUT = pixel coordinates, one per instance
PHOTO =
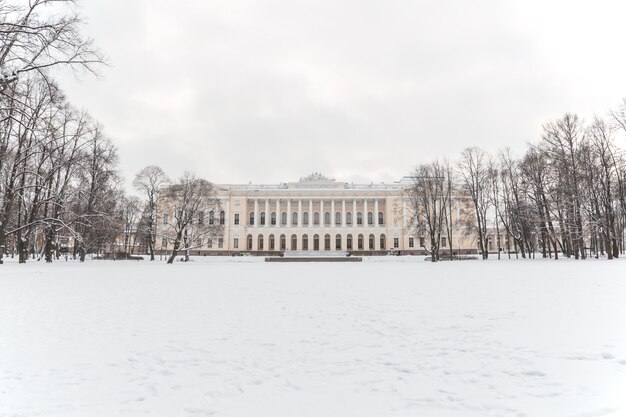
(333, 209)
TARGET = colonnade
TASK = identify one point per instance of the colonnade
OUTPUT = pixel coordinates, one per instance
(330, 212)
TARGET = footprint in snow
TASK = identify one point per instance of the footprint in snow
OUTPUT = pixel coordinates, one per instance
(534, 373)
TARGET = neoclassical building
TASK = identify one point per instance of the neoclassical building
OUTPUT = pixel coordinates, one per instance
(315, 214)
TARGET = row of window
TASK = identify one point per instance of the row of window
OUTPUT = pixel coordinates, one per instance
(200, 220)
(444, 242)
(305, 242)
(316, 218)
(316, 243)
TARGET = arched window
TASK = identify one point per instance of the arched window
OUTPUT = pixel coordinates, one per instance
(349, 218)
(316, 242)
(370, 218)
(327, 218)
(305, 242)
(262, 222)
(222, 217)
(349, 242)
(381, 218)
(359, 219)
(272, 243)
(211, 217)
(283, 242)
(338, 218)
(338, 242)
(283, 218)
(372, 240)
(294, 218)
(360, 242)
(305, 218)
(249, 244)
(294, 242)
(383, 245)
(316, 218)
(327, 241)
(260, 242)
(273, 218)
(251, 218)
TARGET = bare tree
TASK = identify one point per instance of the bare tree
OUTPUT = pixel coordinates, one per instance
(149, 182)
(602, 177)
(40, 34)
(131, 216)
(561, 142)
(188, 200)
(474, 173)
(494, 195)
(429, 197)
(96, 197)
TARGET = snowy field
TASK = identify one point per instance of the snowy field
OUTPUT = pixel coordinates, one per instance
(386, 337)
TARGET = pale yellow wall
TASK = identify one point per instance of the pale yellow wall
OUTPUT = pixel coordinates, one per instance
(240, 199)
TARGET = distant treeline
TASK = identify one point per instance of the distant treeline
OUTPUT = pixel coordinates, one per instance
(565, 195)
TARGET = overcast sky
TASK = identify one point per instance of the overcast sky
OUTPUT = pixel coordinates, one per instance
(268, 91)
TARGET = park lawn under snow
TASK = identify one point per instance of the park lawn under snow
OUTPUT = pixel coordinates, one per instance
(385, 337)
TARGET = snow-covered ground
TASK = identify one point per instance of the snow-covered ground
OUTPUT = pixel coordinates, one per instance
(385, 337)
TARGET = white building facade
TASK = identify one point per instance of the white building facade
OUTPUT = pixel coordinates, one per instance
(313, 214)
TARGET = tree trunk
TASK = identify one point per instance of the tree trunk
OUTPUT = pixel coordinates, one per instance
(175, 248)
(49, 244)
(22, 249)
(151, 247)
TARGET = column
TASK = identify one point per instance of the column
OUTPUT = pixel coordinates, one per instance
(343, 213)
(376, 224)
(278, 217)
(322, 212)
(332, 214)
(267, 216)
(403, 213)
(310, 212)
(365, 219)
(353, 214)
(289, 215)
(300, 213)
(256, 212)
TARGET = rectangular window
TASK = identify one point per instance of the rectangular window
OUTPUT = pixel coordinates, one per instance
(396, 242)
(165, 218)
(421, 241)
(411, 242)
(236, 243)
(164, 242)
(220, 243)
(236, 222)
(209, 242)
(444, 242)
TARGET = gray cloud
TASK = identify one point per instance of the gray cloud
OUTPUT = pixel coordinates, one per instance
(268, 90)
